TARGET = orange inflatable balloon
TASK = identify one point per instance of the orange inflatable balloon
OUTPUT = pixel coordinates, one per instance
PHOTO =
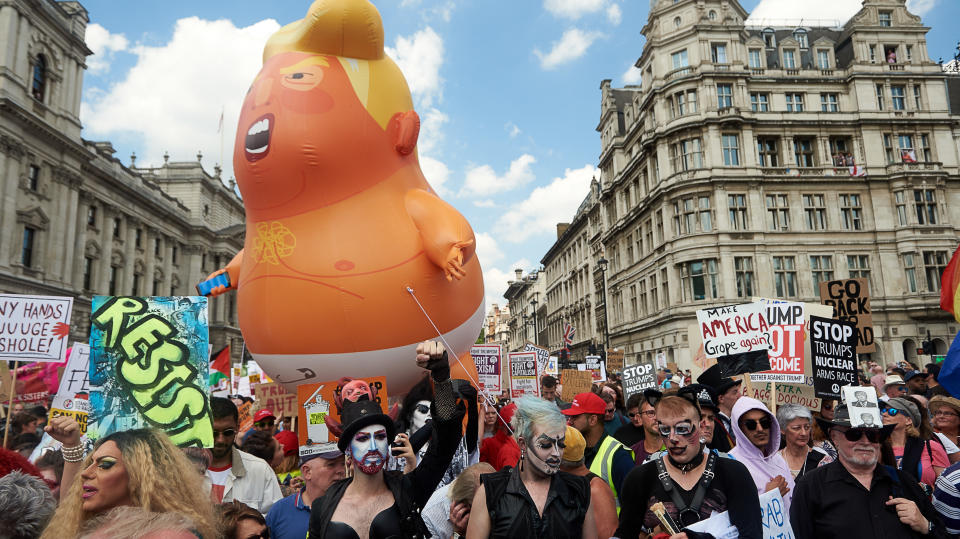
(341, 224)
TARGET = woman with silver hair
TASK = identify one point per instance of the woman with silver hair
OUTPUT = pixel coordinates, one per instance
(535, 499)
(797, 424)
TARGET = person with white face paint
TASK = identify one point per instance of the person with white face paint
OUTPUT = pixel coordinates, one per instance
(535, 499)
(377, 503)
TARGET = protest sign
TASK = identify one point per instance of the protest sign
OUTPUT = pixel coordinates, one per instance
(488, 359)
(316, 402)
(596, 367)
(34, 328)
(797, 393)
(73, 394)
(743, 363)
(774, 516)
(574, 382)
(850, 300)
(148, 367)
(552, 367)
(543, 356)
(833, 347)
(614, 360)
(734, 329)
(786, 343)
(661, 360)
(524, 375)
(275, 398)
(638, 377)
(245, 421)
(862, 406)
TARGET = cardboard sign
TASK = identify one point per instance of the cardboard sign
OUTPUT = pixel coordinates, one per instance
(246, 416)
(850, 300)
(614, 360)
(734, 329)
(636, 378)
(488, 359)
(786, 343)
(596, 367)
(774, 516)
(73, 394)
(574, 382)
(148, 367)
(801, 394)
(524, 374)
(273, 397)
(34, 328)
(316, 402)
(833, 347)
(862, 405)
(543, 355)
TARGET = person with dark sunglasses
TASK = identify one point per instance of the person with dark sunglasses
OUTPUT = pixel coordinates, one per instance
(758, 447)
(858, 495)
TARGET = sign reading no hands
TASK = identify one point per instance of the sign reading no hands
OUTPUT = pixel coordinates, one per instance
(734, 329)
(636, 378)
(487, 359)
(833, 346)
(524, 379)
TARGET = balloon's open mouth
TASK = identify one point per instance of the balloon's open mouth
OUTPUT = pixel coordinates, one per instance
(257, 142)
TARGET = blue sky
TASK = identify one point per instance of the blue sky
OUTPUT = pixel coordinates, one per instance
(508, 92)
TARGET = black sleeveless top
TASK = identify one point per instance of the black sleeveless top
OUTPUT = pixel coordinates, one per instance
(386, 525)
(514, 514)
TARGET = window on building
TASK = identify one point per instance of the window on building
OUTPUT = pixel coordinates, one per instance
(859, 266)
(156, 246)
(803, 151)
(39, 86)
(794, 102)
(880, 103)
(888, 147)
(116, 227)
(685, 102)
(907, 153)
(724, 96)
(138, 238)
(629, 249)
(910, 268)
(755, 58)
(925, 201)
(665, 286)
(767, 153)
(917, 101)
(778, 212)
(173, 254)
(873, 53)
(934, 262)
(785, 276)
(821, 268)
(718, 53)
(680, 59)
(135, 289)
(634, 313)
(112, 285)
(642, 285)
(815, 212)
(157, 283)
(33, 177)
(801, 36)
(654, 300)
(823, 58)
(692, 214)
(737, 205)
(851, 212)
(677, 20)
(886, 18)
(27, 248)
(173, 289)
(730, 144)
(897, 97)
(901, 204)
(925, 152)
(829, 103)
(699, 278)
(87, 273)
(789, 59)
(840, 151)
(769, 38)
(743, 265)
(759, 102)
(658, 226)
(648, 228)
(909, 53)
(687, 154)
(92, 215)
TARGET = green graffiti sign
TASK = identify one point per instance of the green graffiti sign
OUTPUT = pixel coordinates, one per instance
(151, 355)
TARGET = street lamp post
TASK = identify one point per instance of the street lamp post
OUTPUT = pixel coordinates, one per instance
(602, 263)
(536, 333)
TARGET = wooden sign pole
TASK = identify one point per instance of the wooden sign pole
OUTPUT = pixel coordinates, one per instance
(13, 392)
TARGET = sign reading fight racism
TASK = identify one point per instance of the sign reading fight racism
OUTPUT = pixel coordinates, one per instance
(148, 367)
(786, 343)
(34, 328)
(573, 383)
(734, 329)
(833, 345)
(543, 355)
(273, 397)
(638, 377)
(317, 404)
(850, 300)
(524, 376)
(487, 358)
(73, 395)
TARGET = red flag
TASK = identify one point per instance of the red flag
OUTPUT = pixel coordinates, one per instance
(221, 361)
(950, 286)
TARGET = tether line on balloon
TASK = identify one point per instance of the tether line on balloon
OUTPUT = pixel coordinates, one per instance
(476, 383)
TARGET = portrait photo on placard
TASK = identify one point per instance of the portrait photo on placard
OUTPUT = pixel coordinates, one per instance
(862, 404)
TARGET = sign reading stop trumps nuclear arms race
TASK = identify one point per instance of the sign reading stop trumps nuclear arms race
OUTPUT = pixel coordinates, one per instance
(833, 345)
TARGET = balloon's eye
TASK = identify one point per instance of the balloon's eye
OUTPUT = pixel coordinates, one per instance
(298, 76)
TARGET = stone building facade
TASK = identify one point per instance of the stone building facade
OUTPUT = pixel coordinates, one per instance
(757, 162)
(76, 221)
(525, 296)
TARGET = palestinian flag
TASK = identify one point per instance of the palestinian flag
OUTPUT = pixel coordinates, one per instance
(950, 286)
(220, 366)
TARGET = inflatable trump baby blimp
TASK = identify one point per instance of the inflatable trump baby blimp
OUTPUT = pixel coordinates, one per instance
(350, 257)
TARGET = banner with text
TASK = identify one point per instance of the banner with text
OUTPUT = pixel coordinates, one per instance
(34, 328)
(638, 377)
(786, 343)
(796, 393)
(487, 358)
(850, 300)
(734, 329)
(614, 360)
(316, 402)
(73, 394)
(833, 344)
(774, 516)
(524, 376)
(597, 368)
(273, 397)
(543, 356)
(574, 382)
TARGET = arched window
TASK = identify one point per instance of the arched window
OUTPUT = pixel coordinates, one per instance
(39, 77)
(801, 36)
(769, 38)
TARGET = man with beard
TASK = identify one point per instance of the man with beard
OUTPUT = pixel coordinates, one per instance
(758, 447)
(233, 474)
(535, 499)
(856, 496)
(377, 503)
(691, 481)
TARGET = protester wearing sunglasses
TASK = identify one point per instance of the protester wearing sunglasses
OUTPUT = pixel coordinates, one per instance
(758, 447)
(858, 496)
(917, 451)
(641, 434)
(690, 480)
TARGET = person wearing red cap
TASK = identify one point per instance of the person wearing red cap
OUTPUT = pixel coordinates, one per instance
(265, 421)
(604, 456)
(288, 472)
(501, 450)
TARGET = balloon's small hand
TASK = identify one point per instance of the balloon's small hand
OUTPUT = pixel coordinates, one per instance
(61, 330)
(453, 266)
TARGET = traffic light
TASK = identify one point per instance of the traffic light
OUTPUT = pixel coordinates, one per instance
(928, 348)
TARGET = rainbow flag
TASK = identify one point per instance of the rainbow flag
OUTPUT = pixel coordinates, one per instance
(950, 286)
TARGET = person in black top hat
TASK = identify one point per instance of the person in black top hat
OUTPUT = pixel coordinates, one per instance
(728, 391)
(376, 503)
(712, 430)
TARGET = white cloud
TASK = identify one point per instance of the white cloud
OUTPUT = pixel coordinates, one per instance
(614, 15)
(512, 129)
(573, 9)
(420, 57)
(483, 181)
(487, 249)
(436, 173)
(431, 129)
(176, 91)
(572, 45)
(632, 75)
(495, 279)
(485, 203)
(822, 10)
(921, 7)
(547, 205)
(103, 44)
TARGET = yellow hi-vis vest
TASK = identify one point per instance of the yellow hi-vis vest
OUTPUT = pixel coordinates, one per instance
(602, 464)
